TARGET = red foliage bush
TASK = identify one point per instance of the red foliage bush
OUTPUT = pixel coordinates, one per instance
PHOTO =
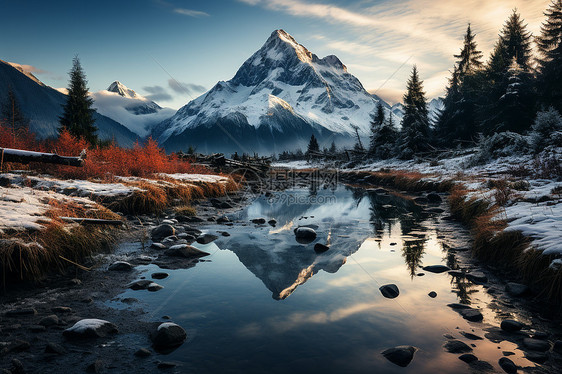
(103, 162)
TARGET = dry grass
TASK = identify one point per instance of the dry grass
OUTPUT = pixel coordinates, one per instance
(186, 210)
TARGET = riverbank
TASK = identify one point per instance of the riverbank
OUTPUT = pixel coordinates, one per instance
(513, 206)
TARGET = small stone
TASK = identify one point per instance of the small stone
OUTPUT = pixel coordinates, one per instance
(153, 287)
(471, 336)
(162, 232)
(61, 310)
(50, 320)
(159, 275)
(19, 345)
(432, 294)
(436, 268)
(479, 366)
(511, 325)
(456, 346)
(536, 344)
(508, 353)
(75, 282)
(139, 285)
(168, 335)
(305, 234)
(390, 291)
(507, 365)
(225, 233)
(55, 348)
(272, 222)
(186, 251)
(258, 221)
(473, 315)
(90, 328)
(538, 357)
(543, 335)
(516, 289)
(157, 246)
(401, 355)
(206, 238)
(320, 248)
(120, 266)
(458, 306)
(143, 352)
(468, 358)
(223, 219)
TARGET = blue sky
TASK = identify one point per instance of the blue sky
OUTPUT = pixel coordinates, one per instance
(146, 43)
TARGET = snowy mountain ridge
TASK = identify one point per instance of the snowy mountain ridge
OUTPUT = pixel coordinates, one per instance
(282, 91)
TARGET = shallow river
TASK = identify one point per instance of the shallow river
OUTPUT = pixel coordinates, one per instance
(262, 302)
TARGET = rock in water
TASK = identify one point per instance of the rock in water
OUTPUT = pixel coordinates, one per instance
(456, 346)
(390, 291)
(162, 232)
(507, 365)
(168, 335)
(120, 266)
(432, 294)
(90, 328)
(436, 268)
(258, 221)
(472, 315)
(206, 238)
(468, 358)
(434, 198)
(186, 251)
(536, 344)
(477, 277)
(320, 248)
(305, 234)
(401, 355)
(511, 325)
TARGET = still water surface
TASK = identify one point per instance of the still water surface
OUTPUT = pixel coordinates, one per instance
(262, 302)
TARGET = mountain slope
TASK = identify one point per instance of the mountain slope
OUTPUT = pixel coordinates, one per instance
(42, 105)
(280, 96)
(132, 110)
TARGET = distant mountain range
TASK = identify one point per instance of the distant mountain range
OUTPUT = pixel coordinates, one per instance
(43, 105)
(278, 98)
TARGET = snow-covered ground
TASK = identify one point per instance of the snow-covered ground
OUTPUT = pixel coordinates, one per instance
(536, 212)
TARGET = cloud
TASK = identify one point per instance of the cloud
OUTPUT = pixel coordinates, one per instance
(183, 88)
(157, 93)
(191, 13)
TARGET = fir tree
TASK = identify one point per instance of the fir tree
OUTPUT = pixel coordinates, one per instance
(78, 115)
(333, 149)
(415, 123)
(376, 124)
(384, 141)
(11, 114)
(470, 58)
(549, 45)
(312, 145)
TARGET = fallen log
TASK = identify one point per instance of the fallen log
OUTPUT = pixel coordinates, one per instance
(24, 157)
(93, 221)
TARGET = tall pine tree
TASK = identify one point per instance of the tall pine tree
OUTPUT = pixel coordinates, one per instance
(549, 45)
(415, 123)
(376, 124)
(78, 115)
(11, 117)
(312, 145)
(512, 50)
(458, 120)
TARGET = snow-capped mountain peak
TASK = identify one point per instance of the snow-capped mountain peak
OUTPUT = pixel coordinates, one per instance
(282, 87)
(124, 91)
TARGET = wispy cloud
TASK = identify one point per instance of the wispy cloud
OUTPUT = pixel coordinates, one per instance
(191, 12)
(157, 93)
(182, 88)
(430, 31)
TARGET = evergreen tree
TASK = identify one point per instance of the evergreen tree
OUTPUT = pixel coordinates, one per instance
(384, 140)
(514, 44)
(470, 58)
(458, 120)
(11, 114)
(78, 115)
(312, 145)
(549, 45)
(333, 150)
(415, 123)
(376, 124)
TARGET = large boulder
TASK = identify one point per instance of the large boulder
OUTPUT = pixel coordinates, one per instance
(511, 325)
(390, 291)
(305, 234)
(168, 335)
(90, 328)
